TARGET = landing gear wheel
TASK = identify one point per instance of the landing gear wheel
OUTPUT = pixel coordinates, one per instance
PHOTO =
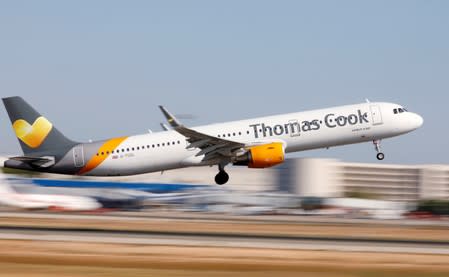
(380, 156)
(221, 178)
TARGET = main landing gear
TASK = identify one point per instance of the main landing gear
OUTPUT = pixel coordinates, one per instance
(380, 156)
(222, 177)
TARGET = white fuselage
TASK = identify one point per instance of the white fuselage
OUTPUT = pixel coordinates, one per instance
(8, 196)
(296, 131)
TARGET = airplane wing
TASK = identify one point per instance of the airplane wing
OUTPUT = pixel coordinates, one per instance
(211, 147)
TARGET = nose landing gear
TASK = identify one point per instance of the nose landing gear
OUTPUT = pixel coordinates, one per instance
(222, 177)
(380, 156)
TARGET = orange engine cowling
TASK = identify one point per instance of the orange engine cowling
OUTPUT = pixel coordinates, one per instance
(262, 156)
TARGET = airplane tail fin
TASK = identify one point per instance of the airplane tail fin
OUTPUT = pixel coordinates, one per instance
(36, 134)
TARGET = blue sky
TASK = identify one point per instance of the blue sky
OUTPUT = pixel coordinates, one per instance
(98, 69)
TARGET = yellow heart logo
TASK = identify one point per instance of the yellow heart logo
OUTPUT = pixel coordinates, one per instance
(33, 135)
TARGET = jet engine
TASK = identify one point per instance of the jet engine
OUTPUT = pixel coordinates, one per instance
(262, 156)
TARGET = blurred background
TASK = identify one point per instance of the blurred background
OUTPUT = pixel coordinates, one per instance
(299, 187)
(98, 69)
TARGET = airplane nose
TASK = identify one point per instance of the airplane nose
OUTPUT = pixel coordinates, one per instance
(418, 121)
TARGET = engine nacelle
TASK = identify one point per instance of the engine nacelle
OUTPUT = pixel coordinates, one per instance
(262, 156)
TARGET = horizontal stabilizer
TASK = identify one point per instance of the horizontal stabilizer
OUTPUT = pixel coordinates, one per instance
(46, 161)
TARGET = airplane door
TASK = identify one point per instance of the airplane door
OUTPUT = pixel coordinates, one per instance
(78, 156)
(376, 115)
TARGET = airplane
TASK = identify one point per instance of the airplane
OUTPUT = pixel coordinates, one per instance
(256, 143)
(38, 201)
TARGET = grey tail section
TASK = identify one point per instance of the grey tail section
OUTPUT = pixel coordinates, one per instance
(36, 135)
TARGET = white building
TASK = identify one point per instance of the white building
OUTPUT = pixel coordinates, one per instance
(332, 178)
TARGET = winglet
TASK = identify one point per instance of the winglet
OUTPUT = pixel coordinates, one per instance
(170, 118)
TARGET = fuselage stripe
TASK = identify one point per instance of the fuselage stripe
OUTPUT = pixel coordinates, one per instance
(102, 154)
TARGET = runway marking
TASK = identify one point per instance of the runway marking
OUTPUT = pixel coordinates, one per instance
(225, 240)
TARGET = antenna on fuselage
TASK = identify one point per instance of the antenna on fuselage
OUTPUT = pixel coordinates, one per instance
(367, 100)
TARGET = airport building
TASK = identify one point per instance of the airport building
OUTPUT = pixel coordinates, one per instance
(333, 178)
(241, 178)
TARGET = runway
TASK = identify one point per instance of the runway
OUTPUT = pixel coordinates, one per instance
(198, 217)
(173, 244)
(205, 239)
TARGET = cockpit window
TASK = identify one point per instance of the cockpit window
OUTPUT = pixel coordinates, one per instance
(395, 111)
(400, 110)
